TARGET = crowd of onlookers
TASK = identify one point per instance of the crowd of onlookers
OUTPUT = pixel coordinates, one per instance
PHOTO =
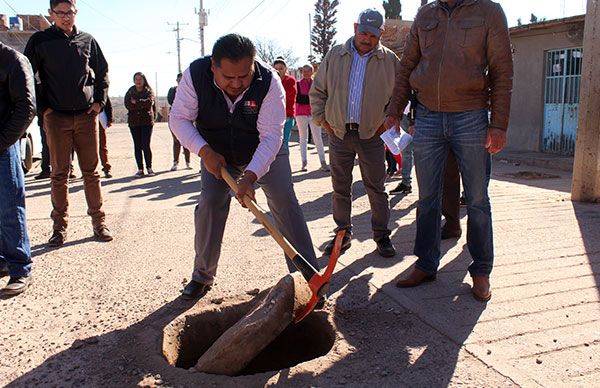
(237, 114)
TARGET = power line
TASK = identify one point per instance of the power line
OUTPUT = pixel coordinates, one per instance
(248, 14)
(10, 6)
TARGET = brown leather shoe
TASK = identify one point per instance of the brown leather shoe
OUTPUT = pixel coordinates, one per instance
(481, 288)
(415, 278)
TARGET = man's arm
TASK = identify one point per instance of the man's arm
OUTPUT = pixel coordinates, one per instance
(183, 114)
(500, 65)
(319, 92)
(100, 66)
(410, 59)
(31, 54)
(270, 128)
(21, 89)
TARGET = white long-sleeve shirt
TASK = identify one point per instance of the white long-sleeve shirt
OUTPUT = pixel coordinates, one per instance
(271, 118)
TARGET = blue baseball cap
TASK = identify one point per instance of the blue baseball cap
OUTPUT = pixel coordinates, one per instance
(370, 20)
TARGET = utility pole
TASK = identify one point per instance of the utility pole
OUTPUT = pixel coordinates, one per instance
(310, 35)
(203, 22)
(179, 39)
(586, 169)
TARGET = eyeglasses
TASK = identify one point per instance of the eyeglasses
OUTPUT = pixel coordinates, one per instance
(64, 15)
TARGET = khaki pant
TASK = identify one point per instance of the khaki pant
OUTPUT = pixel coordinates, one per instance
(64, 133)
(371, 161)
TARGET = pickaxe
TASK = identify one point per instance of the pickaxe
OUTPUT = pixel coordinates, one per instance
(319, 284)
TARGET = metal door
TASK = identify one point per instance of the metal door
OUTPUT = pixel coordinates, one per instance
(561, 100)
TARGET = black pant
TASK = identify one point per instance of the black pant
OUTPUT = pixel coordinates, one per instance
(391, 162)
(141, 144)
(451, 194)
(45, 152)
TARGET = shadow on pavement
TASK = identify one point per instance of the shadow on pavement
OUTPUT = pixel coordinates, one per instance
(122, 358)
(588, 218)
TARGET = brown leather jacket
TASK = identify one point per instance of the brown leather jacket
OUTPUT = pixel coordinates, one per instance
(457, 62)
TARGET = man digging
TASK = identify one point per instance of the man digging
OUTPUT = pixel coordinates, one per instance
(238, 107)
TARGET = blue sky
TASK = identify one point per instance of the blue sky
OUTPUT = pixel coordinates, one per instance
(135, 36)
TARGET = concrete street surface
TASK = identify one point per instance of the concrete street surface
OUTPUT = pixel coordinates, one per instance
(94, 314)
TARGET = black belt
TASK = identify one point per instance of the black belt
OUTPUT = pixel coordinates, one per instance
(351, 127)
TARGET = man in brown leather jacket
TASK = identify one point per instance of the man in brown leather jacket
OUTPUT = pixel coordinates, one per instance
(458, 60)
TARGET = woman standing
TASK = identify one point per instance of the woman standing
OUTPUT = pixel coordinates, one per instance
(289, 84)
(304, 119)
(139, 101)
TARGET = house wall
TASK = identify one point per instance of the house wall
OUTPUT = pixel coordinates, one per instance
(527, 105)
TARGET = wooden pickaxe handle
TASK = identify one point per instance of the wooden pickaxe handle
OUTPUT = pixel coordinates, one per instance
(319, 284)
(305, 268)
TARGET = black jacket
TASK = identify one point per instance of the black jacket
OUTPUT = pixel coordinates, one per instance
(17, 96)
(72, 70)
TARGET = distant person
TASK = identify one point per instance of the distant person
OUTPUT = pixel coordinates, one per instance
(408, 125)
(139, 101)
(17, 110)
(176, 144)
(74, 85)
(304, 119)
(352, 87)
(458, 59)
(289, 84)
(105, 121)
(238, 108)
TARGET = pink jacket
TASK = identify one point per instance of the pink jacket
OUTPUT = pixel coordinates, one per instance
(301, 109)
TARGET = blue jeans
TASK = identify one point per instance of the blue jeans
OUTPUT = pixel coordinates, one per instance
(465, 134)
(15, 251)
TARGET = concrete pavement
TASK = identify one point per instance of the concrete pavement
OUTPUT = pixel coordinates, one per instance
(541, 328)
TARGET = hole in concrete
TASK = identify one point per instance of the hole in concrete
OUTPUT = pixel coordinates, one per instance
(184, 342)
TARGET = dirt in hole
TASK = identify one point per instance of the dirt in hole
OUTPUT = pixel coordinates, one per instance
(186, 340)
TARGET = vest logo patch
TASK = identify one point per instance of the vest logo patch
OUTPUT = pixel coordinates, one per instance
(250, 107)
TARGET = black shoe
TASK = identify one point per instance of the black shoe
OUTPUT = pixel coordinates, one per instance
(451, 233)
(463, 201)
(4, 271)
(195, 290)
(72, 175)
(42, 175)
(103, 234)
(16, 286)
(320, 304)
(346, 243)
(385, 247)
(58, 238)
(402, 189)
(107, 174)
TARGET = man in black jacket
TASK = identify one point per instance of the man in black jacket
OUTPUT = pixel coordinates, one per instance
(73, 90)
(17, 110)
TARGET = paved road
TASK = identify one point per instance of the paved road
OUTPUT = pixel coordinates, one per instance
(542, 327)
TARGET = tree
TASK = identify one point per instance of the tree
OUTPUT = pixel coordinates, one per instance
(393, 9)
(267, 50)
(324, 31)
(519, 22)
(533, 19)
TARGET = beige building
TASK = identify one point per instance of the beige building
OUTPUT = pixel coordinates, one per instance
(547, 75)
(17, 34)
